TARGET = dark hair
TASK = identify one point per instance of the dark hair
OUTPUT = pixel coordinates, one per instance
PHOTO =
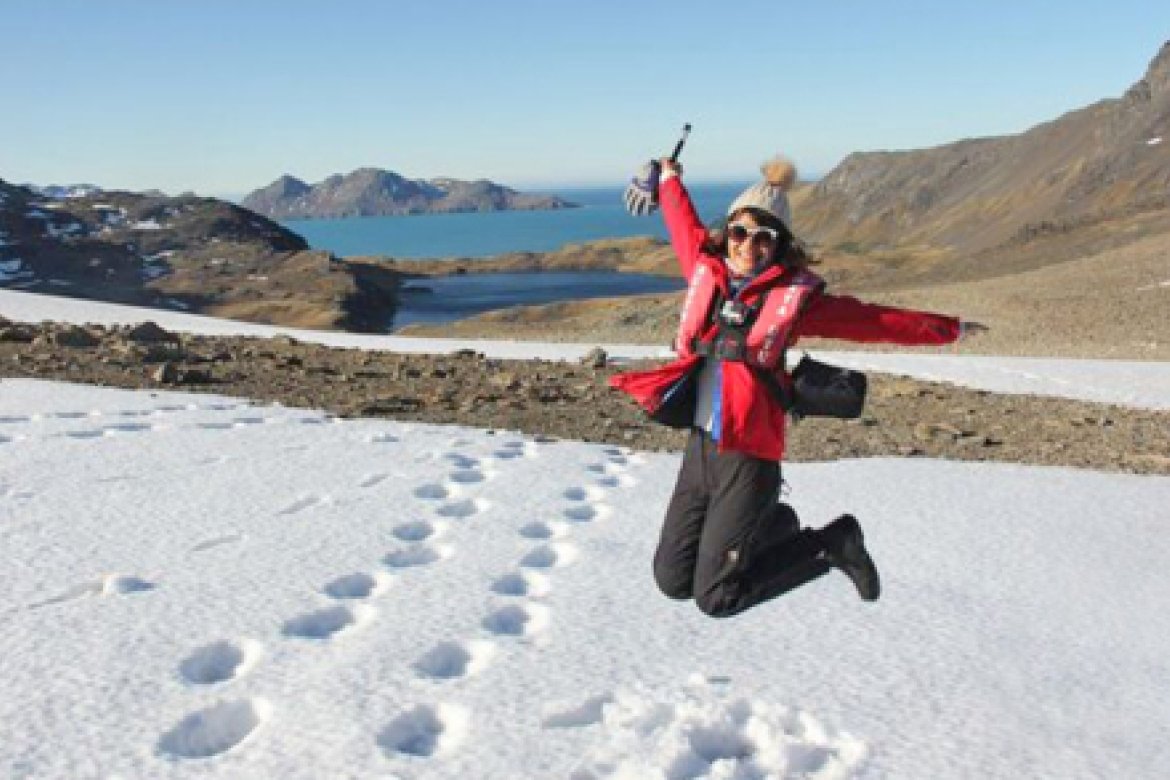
(789, 250)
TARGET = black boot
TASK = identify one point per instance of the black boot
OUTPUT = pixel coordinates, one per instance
(845, 549)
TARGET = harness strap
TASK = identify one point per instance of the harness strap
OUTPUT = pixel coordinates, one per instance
(730, 343)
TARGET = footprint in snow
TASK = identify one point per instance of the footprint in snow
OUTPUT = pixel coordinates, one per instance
(617, 480)
(381, 438)
(467, 476)
(425, 731)
(218, 407)
(460, 510)
(10, 419)
(584, 494)
(214, 730)
(542, 530)
(701, 732)
(416, 531)
(525, 583)
(432, 492)
(586, 513)
(356, 586)
(521, 620)
(623, 457)
(549, 556)
(454, 660)
(417, 555)
(462, 461)
(607, 468)
(329, 622)
(113, 430)
(515, 449)
(219, 662)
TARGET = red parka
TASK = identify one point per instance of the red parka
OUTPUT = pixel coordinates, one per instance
(752, 418)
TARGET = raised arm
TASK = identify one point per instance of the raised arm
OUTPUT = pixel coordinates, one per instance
(842, 317)
(686, 230)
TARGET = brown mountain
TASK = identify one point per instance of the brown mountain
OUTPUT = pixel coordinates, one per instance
(1107, 160)
(372, 192)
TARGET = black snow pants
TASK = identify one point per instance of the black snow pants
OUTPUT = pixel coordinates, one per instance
(726, 542)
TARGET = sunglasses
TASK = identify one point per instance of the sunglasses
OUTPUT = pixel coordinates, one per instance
(737, 231)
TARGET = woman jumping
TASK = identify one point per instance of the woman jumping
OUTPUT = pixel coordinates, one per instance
(726, 542)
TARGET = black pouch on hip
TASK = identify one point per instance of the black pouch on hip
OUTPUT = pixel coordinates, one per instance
(822, 390)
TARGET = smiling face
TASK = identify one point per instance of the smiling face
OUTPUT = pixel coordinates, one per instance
(746, 254)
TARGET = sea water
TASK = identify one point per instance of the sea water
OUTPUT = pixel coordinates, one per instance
(482, 234)
(446, 298)
(601, 214)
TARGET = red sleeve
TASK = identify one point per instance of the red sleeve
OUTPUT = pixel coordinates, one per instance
(686, 230)
(842, 317)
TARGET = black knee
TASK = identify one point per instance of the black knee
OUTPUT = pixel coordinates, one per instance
(719, 602)
(674, 584)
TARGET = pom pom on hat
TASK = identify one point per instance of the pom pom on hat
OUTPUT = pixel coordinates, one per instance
(779, 172)
(769, 195)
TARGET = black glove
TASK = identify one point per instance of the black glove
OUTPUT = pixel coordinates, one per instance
(642, 194)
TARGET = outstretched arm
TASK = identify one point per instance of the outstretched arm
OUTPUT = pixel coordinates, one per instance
(686, 230)
(843, 317)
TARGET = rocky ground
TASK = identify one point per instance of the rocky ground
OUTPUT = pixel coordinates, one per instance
(904, 417)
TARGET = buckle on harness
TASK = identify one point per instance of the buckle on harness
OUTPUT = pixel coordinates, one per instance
(734, 313)
(724, 347)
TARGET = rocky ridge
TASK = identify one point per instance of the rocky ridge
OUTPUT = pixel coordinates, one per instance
(904, 417)
(185, 253)
(373, 192)
(1107, 160)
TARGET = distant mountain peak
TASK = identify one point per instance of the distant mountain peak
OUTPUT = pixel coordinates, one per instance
(289, 186)
(369, 191)
(1158, 73)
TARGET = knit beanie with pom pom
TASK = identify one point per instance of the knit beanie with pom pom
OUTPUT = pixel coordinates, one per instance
(770, 195)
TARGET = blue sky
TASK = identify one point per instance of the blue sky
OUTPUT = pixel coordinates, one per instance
(222, 96)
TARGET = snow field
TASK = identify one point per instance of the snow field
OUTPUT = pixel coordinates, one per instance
(202, 587)
(248, 619)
